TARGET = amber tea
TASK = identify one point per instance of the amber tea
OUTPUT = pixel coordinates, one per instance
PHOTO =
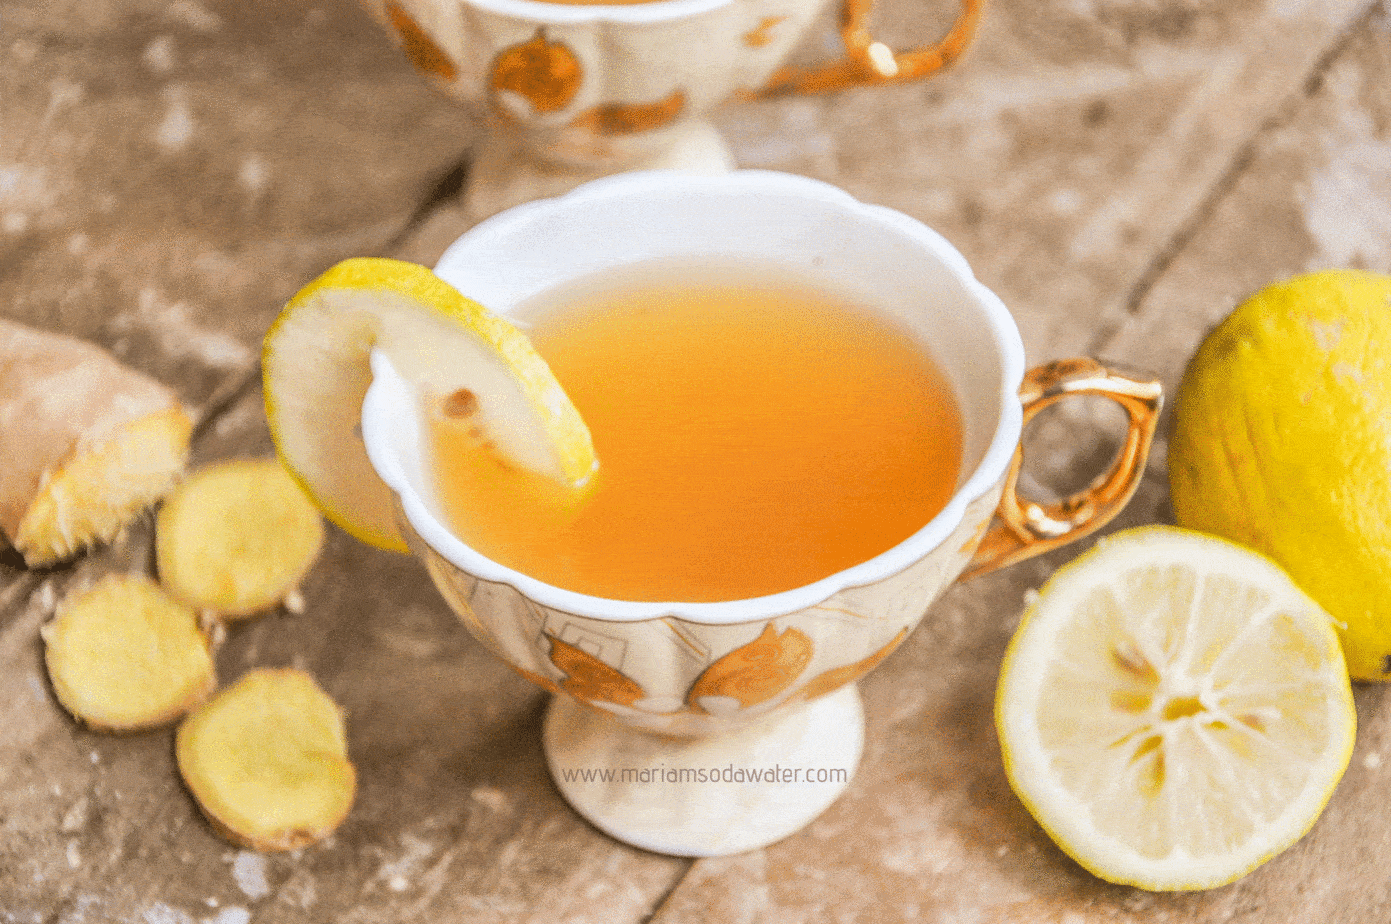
(755, 434)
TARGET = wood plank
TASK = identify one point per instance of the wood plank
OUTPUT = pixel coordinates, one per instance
(931, 830)
(456, 818)
(1314, 198)
(1064, 154)
(171, 172)
(1068, 146)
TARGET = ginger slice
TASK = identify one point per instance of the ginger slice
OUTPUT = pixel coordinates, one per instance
(88, 443)
(266, 759)
(237, 537)
(124, 656)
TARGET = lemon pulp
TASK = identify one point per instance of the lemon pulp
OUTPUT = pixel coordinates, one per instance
(1173, 710)
(316, 370)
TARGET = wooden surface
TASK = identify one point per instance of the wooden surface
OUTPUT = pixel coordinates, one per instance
(1119, 171)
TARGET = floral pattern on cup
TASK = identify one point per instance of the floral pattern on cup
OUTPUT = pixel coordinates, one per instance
(594, 86)
(752, 673)
(418, 47)
(678, 677)
(589, 679)
(837, 677)
(539, 76)
(534, 77)
(762, 34)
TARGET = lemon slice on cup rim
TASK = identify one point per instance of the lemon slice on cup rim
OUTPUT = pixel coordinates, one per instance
(1173, 710)
(316, 368)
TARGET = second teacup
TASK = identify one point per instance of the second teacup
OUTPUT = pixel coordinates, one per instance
(569, 91)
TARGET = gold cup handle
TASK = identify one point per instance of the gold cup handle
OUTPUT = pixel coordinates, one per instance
(868, 61)
(1024, 528)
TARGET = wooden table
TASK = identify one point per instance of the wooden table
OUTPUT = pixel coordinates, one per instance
(1121, 172)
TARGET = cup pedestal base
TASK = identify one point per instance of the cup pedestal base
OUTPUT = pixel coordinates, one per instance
(698, 797)
(503, 175)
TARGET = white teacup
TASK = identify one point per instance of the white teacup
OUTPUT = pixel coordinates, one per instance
(571, 91)
(756, 682)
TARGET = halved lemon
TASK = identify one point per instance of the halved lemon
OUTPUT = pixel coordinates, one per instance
(1173, 710)
(316, 370)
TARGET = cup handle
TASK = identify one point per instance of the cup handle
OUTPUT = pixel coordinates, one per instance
(871, 62)
(1025, 528)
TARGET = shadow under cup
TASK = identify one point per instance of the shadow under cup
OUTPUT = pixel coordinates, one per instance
(700, 668)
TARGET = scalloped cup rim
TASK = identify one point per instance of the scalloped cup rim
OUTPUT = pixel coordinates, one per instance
(992, 466)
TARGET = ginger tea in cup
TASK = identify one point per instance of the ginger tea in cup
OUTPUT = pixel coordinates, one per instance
(756, 432)
(660, 678)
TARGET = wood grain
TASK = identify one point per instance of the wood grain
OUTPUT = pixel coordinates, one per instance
(1119, 171)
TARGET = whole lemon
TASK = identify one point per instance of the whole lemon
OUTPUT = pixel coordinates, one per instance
(1282, 442)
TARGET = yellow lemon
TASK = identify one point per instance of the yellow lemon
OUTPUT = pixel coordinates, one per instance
(1282, 442)
(316, 370)
(1174, 710)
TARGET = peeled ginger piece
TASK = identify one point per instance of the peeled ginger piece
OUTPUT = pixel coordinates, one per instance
(124, 656)
(266, 759)
(237, 537)
(87, 443)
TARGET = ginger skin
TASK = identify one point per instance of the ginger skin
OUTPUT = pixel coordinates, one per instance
(88, 443)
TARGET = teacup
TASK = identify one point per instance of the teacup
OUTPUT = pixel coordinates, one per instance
(573, 90)
(770, 680)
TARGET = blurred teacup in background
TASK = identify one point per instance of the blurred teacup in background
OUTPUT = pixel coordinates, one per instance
(572, 90)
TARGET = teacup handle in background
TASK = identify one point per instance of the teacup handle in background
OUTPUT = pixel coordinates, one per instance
(868, 61)
(1024, 528)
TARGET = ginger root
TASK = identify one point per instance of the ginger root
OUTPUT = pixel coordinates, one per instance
(266, 759)
(124, 656)
(88, 443)
(237, 537)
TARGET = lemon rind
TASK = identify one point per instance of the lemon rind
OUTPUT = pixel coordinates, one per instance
(390, 291)
(1240, 467)
(1060, 813)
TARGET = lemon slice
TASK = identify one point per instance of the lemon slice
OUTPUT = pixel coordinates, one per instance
(1173, 710)
(316, 370)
